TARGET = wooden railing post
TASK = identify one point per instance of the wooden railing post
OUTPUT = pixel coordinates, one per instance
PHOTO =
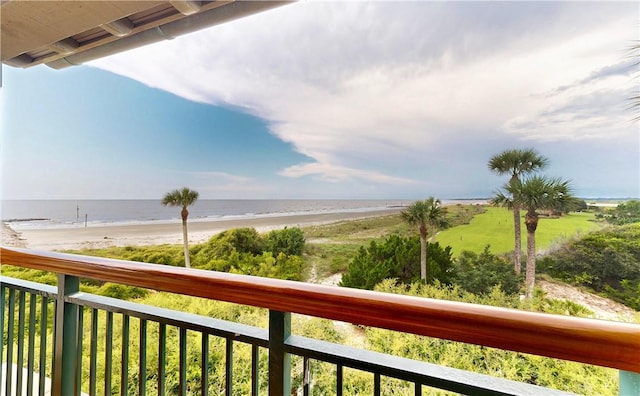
(629, 383)
(279, 360)
(66, 342)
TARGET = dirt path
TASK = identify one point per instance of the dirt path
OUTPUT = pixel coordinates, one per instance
(602, 308)
(353, 335)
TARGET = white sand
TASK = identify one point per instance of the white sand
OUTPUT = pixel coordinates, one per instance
(162, 233)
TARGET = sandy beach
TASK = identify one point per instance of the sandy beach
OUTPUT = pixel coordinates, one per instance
(56, 239)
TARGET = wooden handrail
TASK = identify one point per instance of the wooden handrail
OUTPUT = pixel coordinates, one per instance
(598, 342)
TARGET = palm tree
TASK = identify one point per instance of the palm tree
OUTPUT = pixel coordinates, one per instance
(428, 216)
(516, 163)
(535, 193)
(183, 198)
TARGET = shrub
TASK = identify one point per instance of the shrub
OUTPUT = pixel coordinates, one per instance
(479, 273)
(607, 261)
(121, 292)
(289, 241)
(266, 265)
(222, 245)
(242, 251)
(155, 254)
(397, 258)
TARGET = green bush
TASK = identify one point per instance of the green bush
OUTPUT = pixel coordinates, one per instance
(289, 241)
(121, 292)
(241, 240)
(156, 254)
(479, 273)
(607, 261)
(397, 258)
(558, 307)
(266, 265)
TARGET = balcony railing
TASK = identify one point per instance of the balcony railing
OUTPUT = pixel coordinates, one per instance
(55, 332)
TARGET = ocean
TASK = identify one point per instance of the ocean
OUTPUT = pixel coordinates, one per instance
(37, 214)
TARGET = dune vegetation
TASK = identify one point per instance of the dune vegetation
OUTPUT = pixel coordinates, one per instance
(471, 269)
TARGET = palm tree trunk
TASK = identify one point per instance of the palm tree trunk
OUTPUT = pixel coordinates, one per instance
(185, 239)
(423, 258)
(531, 221)
(531, 263)
(517, 252)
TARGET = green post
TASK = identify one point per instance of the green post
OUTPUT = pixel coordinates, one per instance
(1, 329)
(629, 383)
(65, 350)
(229, 368)
(279, 360)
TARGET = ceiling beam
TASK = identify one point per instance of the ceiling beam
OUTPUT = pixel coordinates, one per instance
(66, 46)
(23, 60)
(186, 7)
(121, 27)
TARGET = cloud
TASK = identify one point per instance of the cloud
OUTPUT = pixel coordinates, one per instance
(222, 184)
(364, 89)
(221, 177)
(333, 173)
(592, 108)
(625, 68)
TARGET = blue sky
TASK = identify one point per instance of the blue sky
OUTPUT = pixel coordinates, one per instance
(337, 100)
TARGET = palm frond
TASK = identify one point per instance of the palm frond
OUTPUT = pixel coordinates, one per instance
(517, 162)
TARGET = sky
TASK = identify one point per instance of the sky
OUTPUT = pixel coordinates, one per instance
(337, 100)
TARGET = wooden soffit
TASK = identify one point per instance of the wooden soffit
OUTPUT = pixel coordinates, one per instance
(62, 33)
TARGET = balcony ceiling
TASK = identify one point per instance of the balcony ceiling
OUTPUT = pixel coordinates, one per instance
(65, 33)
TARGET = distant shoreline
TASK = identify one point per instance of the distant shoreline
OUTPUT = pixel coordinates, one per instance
(101, 236)
(36, 214)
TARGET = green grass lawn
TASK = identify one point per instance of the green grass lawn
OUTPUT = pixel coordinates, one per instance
(331, 247)
(495, 228)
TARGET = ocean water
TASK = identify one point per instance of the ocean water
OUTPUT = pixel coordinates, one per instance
(73, 213)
